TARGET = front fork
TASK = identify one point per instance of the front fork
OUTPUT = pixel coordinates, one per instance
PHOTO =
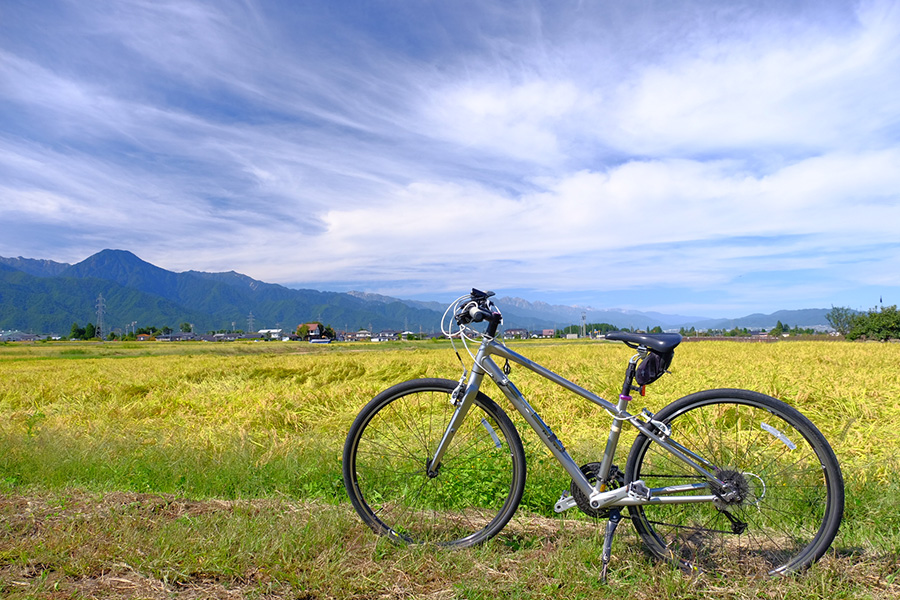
(462, 398)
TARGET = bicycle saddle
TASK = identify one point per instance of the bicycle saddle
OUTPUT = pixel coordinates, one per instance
(657, 342)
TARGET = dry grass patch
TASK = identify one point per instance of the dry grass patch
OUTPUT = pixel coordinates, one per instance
(125, 545)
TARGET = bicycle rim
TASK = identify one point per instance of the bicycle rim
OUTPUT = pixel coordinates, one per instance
(790, 481)
(479, 482)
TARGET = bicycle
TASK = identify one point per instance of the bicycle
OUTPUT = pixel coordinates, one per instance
(726, 480)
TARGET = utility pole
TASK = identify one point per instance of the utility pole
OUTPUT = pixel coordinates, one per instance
(101, 306)
(250, 323)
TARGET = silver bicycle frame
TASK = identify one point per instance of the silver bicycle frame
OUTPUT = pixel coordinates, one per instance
(485, 365)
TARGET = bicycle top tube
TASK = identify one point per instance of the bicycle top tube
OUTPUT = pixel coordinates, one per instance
(492, 347)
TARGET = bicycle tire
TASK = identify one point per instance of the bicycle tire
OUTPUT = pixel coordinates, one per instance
(479, 483)
(793, 499)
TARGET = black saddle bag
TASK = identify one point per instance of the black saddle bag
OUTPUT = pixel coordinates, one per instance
(653, 367)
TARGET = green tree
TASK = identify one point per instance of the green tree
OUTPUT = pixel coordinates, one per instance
(186, 327)
(778, 329)
(841, 319)
(90, 332)
(878, 324)
(77, 332)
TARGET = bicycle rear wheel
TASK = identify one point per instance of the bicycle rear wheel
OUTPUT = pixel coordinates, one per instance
(790, 483)
(389, 447)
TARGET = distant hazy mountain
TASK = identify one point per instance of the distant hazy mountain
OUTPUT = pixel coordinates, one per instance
(572, 315)
(47, 297)
(38, 268)
(370, 297)
(51, 304)
(135, 290)
(809, 317)
(518, 312)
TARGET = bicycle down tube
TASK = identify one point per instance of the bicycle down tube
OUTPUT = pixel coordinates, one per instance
(484, 364)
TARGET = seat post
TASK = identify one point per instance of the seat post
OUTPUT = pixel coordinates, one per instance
(628, 384)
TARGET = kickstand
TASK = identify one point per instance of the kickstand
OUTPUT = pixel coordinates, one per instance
(615, 515)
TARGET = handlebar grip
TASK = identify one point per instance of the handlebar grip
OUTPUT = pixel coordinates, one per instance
(478, 315)
(478, 309)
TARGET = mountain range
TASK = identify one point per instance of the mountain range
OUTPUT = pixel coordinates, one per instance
(44, 296)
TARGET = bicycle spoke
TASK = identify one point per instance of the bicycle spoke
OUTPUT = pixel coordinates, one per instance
(472, 493)
(785, 493)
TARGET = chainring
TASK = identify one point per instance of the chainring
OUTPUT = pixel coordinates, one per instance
(592, 472)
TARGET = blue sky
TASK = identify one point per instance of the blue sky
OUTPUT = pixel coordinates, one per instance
(702, 158)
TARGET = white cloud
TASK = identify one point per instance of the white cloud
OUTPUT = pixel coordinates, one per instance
(651, 222)
(816, 90)
(681, 145)
(522, 121)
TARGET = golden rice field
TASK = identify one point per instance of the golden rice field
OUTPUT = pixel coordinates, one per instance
(266, 422)
(270, 401)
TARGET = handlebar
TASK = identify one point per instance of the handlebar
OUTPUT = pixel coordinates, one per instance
(477, 309)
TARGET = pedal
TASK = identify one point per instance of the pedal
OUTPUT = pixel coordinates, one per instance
(638, 490)
(565, 502)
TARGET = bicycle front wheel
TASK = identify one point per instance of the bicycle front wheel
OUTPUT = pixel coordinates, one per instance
(388, 451)
(790, 496)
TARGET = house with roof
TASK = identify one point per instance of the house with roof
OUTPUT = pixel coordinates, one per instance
(17, 336)
(517, 334)
(386, 336)
(273, 334)
(176, 336)
(313, 331)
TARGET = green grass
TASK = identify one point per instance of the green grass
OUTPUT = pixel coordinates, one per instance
(136, 545)
(191, 470)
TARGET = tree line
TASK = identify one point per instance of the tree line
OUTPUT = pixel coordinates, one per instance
(603, 328)
(879, 323)
(90, 332)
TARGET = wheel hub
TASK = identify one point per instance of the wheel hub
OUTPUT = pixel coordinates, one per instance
(733, 490)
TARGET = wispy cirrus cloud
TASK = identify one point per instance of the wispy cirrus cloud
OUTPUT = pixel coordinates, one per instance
(723, 155)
